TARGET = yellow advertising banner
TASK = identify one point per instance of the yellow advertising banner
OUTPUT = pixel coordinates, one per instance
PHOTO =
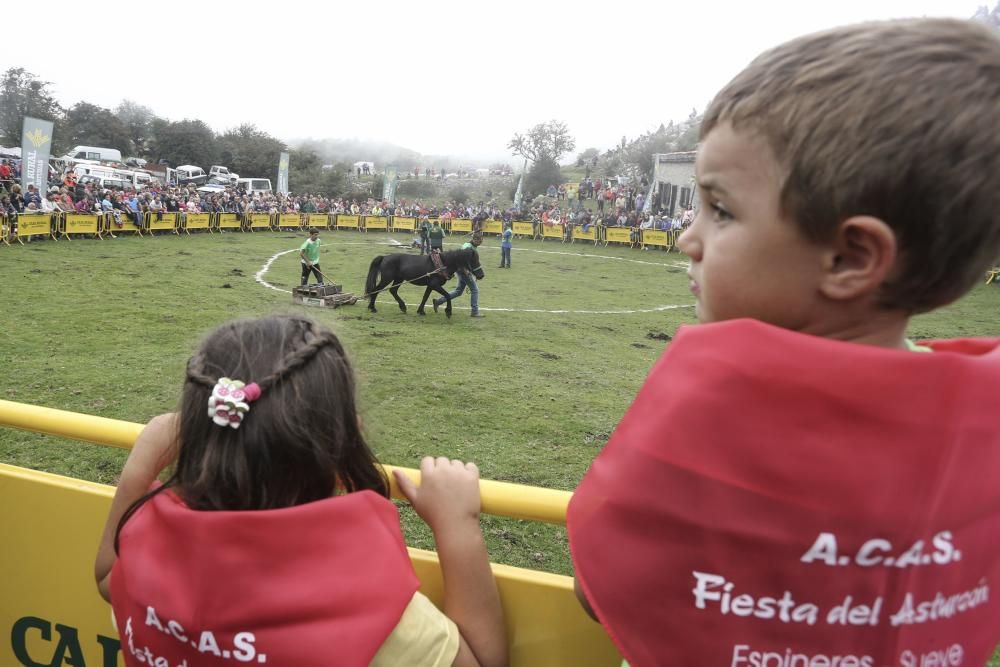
(376, 222)
(260, 220)
(402, 224)
(126, 224)
(319, 220)
(33, 225)
(493, 227)
(289, 220)
(51, 612)
(580, 235)
(198, 220)
(229, 221)
(656, 237)
(81, 223)
(348, 221)
(461, 225)
(168, 222)
(523, 228)
(617, 235)
(552, 232)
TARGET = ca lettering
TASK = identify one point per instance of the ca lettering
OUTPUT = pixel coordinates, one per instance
(67, 650)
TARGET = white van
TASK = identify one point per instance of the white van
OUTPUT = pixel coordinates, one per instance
(253, 185)
(94, 153)
(87, 169)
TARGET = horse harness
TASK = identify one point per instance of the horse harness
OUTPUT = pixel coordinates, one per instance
(439, 267)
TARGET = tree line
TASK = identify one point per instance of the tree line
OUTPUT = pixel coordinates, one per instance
(136, 130)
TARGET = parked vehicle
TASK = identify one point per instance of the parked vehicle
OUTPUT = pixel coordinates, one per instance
(253, 185)
(103, 183)
(94, 153)
(219, 174)
(188, 173)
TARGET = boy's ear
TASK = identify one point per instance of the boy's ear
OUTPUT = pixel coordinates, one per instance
(861, 258)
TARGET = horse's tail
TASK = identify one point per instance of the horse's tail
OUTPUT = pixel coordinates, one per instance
(373, 274)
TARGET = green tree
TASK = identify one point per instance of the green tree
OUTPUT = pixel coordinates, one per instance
(543, 173)
(22, 94)
(91, 125)
(185, 142)
(307, 175)
(459, 194)
(251, 152)
(138, 121)
(545, 141)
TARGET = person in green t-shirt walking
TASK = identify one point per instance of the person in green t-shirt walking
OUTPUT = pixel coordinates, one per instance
(436, 236)
(309, 253)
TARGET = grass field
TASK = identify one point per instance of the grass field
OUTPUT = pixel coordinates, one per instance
(531, 392)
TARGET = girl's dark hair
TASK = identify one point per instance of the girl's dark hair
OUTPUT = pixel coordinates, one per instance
(299, 442)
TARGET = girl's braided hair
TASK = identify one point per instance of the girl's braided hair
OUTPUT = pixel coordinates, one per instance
(301, 440)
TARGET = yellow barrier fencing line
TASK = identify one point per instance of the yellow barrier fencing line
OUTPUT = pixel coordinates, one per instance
(498, 498)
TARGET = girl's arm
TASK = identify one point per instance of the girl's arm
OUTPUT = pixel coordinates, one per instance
(154, 450)
(448, 500)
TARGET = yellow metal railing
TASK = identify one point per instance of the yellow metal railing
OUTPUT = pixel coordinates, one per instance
(498, 498)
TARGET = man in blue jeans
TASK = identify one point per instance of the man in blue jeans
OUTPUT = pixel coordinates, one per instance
(466, 278)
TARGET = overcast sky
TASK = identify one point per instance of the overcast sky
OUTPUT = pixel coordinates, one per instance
(437, 77)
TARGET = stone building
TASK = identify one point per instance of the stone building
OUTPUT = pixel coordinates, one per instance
(674, 184)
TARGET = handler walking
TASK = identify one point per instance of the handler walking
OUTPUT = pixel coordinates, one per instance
(465, 279)
(309, 253)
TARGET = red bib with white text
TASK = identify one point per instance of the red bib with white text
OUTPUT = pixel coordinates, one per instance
(314, 585)
(773, 499)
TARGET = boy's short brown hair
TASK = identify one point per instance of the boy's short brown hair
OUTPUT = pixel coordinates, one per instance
(899, 120)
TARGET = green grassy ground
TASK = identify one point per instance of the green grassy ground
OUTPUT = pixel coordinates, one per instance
(530, 395)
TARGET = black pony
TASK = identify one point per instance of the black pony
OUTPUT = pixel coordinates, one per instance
(419, 270)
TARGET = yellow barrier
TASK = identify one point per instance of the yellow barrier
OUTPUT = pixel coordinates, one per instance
(376, 222)
(289, 221)
(319, 220)
(657, 238)
(52, 614)
(617, 235)
(552, 232)
(523, 229)
(229, 221)
(493, 227)
(461, 225)
(167, 223)
(198, 221)
(80, 223)
(5, 231)
(347, 221)
(259, 221)
(403, 224)
(31, 225)
(111, 228)
(589, 235)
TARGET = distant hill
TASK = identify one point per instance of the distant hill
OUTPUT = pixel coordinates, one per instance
(357, 150)
(383, 153)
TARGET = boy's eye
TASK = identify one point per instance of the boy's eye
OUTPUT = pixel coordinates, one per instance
(720, 214)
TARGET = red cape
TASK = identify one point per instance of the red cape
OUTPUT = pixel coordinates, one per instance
(771, 495)
(313, 585)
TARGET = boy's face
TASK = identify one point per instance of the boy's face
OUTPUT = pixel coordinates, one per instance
(747, 259)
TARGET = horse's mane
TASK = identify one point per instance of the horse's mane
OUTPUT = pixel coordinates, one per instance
(458, 257)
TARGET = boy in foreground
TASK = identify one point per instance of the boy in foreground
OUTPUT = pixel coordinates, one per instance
(796, 483)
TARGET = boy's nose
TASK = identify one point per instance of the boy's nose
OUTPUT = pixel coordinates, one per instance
(689, 244)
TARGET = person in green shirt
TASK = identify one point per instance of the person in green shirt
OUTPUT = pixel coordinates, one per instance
(437, 236)
(309, 253)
